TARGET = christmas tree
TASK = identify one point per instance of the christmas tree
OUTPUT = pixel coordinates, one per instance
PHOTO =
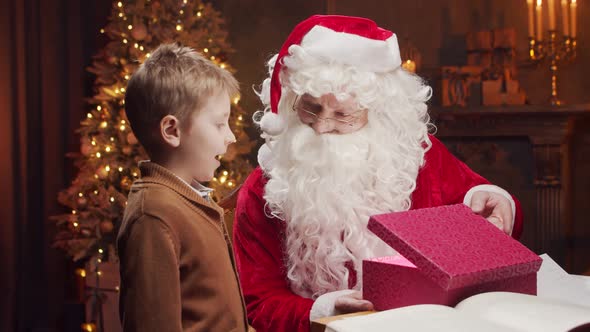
(109, 152)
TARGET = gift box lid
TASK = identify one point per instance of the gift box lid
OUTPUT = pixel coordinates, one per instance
(453, 246)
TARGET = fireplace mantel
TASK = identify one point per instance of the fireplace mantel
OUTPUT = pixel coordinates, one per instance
(549, 130)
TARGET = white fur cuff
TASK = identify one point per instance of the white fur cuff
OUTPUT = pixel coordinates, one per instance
(324, 305)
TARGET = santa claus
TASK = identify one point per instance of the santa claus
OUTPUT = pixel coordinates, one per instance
(347, 137)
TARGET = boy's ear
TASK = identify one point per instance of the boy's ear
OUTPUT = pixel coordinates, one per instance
(170, 130)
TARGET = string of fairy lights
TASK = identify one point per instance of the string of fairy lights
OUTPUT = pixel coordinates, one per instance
(103, 149)
(109, 131)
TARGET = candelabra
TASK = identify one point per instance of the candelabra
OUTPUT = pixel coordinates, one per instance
(554, 51)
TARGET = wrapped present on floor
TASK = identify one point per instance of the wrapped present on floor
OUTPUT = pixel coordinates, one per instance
(461, 85)
(448, 253)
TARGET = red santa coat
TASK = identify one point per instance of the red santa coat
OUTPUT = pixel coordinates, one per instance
(259, 240)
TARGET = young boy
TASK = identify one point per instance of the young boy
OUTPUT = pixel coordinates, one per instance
(177, 267)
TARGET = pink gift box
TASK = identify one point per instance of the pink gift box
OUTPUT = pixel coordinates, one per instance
(449, 253)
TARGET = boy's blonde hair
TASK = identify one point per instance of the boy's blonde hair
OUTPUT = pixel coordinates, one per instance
(174, 80)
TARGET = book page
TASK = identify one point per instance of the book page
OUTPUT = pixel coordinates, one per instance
(553, 282)
(424, 317)
(525, 312)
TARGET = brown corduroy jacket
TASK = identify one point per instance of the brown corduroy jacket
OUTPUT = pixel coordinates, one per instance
(177, 265)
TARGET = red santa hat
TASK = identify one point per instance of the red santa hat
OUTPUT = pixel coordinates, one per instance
(354, 41)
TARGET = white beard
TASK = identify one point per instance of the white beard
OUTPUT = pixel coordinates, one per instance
(326, 187)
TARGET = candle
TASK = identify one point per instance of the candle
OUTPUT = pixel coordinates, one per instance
(573, 17)
(409, 65)
(531, 18)
(539, 20)
(551, 8)
(565, 16)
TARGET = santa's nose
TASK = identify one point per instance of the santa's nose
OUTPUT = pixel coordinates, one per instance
(323, 126)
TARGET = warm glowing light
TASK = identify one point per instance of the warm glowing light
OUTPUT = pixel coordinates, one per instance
(120, 169)
(93, 142)
(88, 327)
(130, 27)
(108, 149)
(75, 224)
(100, 251)
(98, 108)
(98, 155)
(206, 50)
(80, 195)
(124, 40)
(103, 124)
(122, 128)
(73, 211)
(107, 168)
(112, 199)
(81, 272)
(199, 14)
(101, 30)
(119, 4)
(89, 115)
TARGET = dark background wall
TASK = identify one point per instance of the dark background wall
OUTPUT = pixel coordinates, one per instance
(47, 44)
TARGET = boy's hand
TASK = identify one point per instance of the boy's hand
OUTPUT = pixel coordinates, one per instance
(352, 303)
(495, 208)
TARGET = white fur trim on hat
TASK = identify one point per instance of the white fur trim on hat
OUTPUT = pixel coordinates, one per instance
(271, 124)
(370, 54)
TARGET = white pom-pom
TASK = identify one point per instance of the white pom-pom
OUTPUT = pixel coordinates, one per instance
(271, 124)
(265, 158)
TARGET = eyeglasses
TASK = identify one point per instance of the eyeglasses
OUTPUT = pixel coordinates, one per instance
(309, 116)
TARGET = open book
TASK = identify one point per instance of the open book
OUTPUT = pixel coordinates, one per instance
(494, 311)
(562, 304)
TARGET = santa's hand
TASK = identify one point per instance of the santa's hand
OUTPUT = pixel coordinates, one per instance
(494, 207)
(352, 303)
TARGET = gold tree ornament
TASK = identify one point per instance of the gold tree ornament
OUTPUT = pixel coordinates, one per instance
(109, 151)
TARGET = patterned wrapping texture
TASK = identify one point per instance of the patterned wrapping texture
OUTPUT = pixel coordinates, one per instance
(453, 246)
(390, 285)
